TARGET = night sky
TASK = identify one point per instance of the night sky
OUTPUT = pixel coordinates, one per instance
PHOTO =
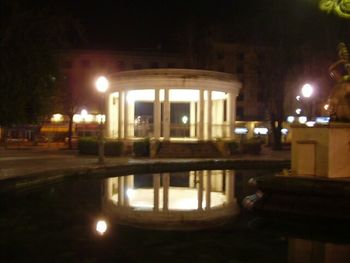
(155, 23)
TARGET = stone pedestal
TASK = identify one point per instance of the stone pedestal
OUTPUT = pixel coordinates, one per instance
(322, 151)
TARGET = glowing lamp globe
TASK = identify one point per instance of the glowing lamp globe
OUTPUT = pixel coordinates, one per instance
(102, 84)
(307, 90)
(101, 227)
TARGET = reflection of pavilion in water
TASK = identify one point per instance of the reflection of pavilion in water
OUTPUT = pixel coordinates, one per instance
(192, 199)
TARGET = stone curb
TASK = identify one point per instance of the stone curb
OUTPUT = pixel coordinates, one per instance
(97, 171)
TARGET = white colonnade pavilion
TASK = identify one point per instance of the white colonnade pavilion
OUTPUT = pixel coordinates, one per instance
(171, 103)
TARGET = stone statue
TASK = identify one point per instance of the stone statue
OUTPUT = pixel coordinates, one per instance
(340, 98)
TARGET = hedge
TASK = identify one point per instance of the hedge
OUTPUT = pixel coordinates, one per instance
(142, 148)
(250, 146)
(87, 145)
(233, 147)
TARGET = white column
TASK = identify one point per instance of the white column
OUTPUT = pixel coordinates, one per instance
(126, 187)
(166, 115)
(120, 191)
(233, 111)
(131, 118)
(201, 115)
(166, 183)
(156, 185)
(208, 190)
(230, 114)
(209, 116)
(220, 115)
(125, 104)
(108, 111)
(192, 119)
(191, 179)
(120, 114)
(200, 190)
(112, 116)
(230, 186)
(156, 114)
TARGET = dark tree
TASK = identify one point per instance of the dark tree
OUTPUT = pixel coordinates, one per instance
(31, 37)
(71, 95)
(293, 45)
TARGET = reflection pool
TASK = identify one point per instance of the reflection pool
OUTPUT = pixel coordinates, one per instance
(192, 216)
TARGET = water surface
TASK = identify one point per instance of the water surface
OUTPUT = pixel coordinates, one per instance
(56, 223)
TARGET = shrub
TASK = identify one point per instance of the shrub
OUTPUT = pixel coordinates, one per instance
(252, 146)
(89, 145)
(142, 148)
(233, 147)
(114, 147)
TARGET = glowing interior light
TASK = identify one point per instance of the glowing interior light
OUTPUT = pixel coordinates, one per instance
(130, 193)
(310, 124)
(290, 119)
(77, 118)
(115, 94)
(297, 97)
(101, 226)
(302, 119)
(57, 117)
(322, 120)
(89, 118)
(298, 111)
(241, 130)
(218, 95)
(144, 95)
(183, 95)
(326, 106)
(100, 118)
(262, 131)
(284, 131)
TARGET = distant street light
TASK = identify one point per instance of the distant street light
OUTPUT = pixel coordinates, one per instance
(184, 119)
(102, 85)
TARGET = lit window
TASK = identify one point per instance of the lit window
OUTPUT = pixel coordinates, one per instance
(241, 130)
(261, 130)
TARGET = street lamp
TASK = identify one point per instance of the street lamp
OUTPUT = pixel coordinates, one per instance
(307, 90)
(102, 85)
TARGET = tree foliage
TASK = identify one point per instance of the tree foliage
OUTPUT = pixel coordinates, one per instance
(30, 39)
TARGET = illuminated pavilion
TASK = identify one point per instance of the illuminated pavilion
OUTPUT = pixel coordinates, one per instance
(171, 103)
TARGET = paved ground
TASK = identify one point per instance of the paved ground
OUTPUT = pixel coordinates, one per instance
(18, 162)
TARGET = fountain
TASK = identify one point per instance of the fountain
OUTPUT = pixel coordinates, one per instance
(318, 184)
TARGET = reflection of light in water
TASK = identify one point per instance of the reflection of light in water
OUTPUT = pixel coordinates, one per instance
(179, 198)
(101, 226)
(186, 204)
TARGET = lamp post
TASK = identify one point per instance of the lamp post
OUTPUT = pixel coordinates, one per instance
(102, 85)
(307, 90)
